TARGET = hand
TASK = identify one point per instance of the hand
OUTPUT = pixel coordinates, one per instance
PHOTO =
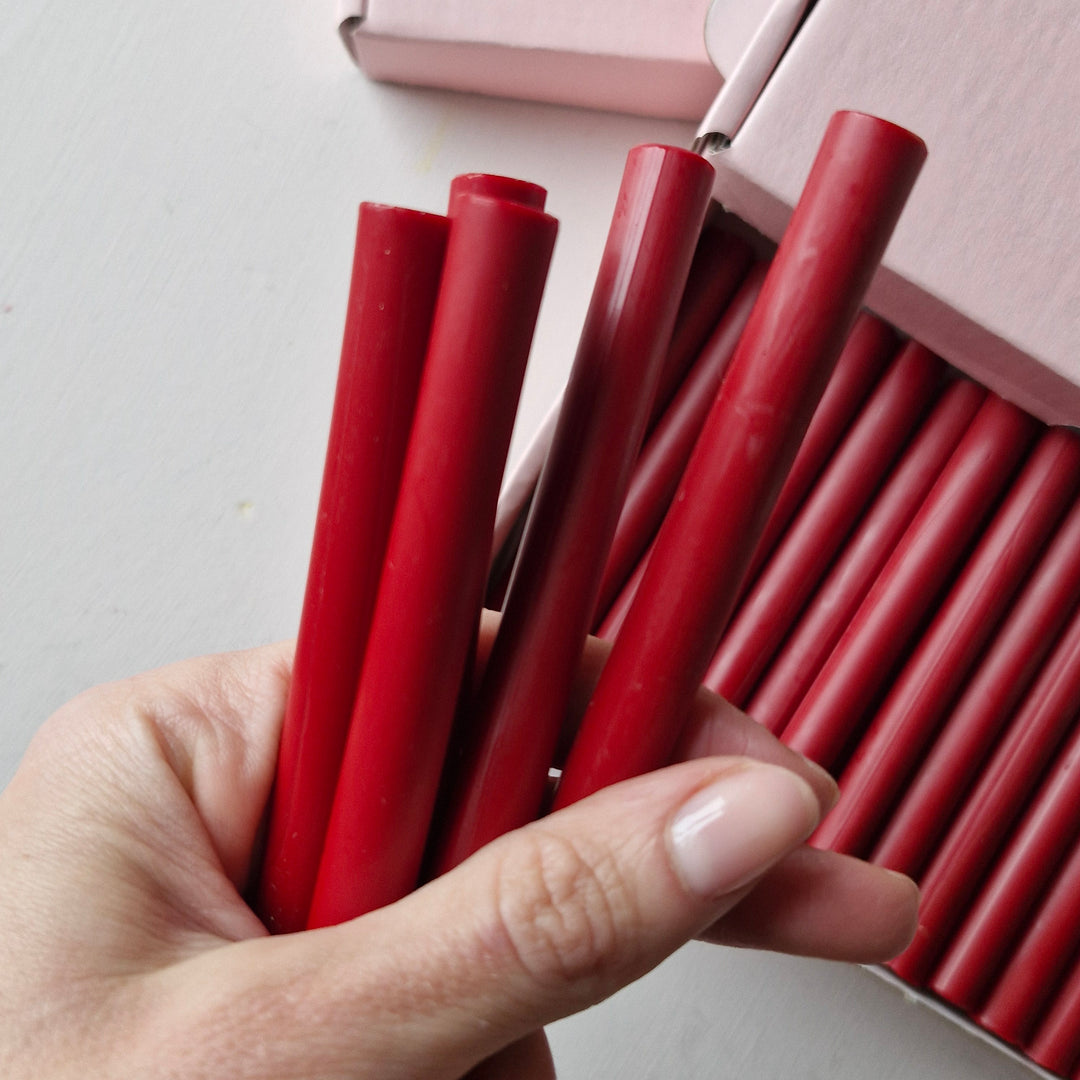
(126, 949)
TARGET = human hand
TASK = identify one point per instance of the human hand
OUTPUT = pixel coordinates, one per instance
(126, 949)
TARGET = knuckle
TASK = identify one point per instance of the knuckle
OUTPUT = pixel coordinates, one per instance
(567, 910)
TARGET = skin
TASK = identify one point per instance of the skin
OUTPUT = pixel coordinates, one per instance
(127, 950)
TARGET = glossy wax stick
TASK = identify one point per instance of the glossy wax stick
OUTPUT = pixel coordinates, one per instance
(1012, 892)
(830, 512)
(616, 614)
(837, 234)
(512, 725)
(506, 188)
(834, 604)
(909, 584)
(1056, 1044)
(980, 829)
(664, 456)
(869, 348)
(937, 670)
(395, 278)
(1025, 989)
(429, 596)
(1005, 673)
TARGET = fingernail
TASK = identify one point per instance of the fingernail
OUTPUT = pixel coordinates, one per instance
(732, 831)
(828, 784)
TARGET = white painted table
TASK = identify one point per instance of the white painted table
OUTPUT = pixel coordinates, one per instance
(178, 185)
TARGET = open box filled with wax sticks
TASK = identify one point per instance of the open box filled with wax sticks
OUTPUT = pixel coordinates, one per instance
(908, 614)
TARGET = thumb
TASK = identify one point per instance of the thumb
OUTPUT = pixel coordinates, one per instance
(544, 922)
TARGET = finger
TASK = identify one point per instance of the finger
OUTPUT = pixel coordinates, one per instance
(820, 903)
(527, 1059)
(539, 924)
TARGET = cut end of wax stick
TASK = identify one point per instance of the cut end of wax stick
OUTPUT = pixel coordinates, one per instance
(506, 188)
(856, 189)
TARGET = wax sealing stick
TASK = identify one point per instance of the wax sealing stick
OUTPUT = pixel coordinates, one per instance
(834, 604)
(513, 724)
(869, 348)
(1056, 1044)
(811, 295)
(830, 512)
(910, 582)
(616, 614)
(980, 829)
(1040, 961)
(396, 269)
(664, 456)
(1004, 675)
(997, 918)
(506, 188)
(429, 596)
(936, 672)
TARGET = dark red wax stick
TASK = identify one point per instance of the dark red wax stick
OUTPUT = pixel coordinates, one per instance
(837, 234)
(433, 577)
(824, 521)
(998, 917)
(513, 725)
(1004, 675)
(823, 622)
(1036, 968)
(979, 831)
(937, 670)
(1056, 1045)
(911, 581)
(869, 348)
(396, 269)
(664, 456)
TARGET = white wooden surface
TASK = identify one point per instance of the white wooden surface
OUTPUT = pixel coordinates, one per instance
(178, 187)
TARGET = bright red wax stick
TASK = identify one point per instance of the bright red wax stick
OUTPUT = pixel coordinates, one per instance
(910, 582)
(395, 278)
(1047, 832)
(1004, 675)
(1040, 960)
(513, 724)
(616, 614)
(937, 670)
(794, 669)
(1056, 1045)
(870, 346)
(825, 519)
(979, 830)
(433, 576)
(664, 456)
(837, 234)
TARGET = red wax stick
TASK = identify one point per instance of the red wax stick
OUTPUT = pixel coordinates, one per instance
(1047, 832)
(1040, 961)
(513, 724)
(396, 269)
(433, 577)
(1004, 675)
(1056, 1045)
(824, 521)
(910, 582)
(936, 672)
(616, 614)
(837, 234)
(823, 622)
(978, 832)
(665, 454)
(870, 346)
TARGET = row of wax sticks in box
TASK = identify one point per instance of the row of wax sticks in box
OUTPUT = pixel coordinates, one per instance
(397, 760)
(911, 621)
